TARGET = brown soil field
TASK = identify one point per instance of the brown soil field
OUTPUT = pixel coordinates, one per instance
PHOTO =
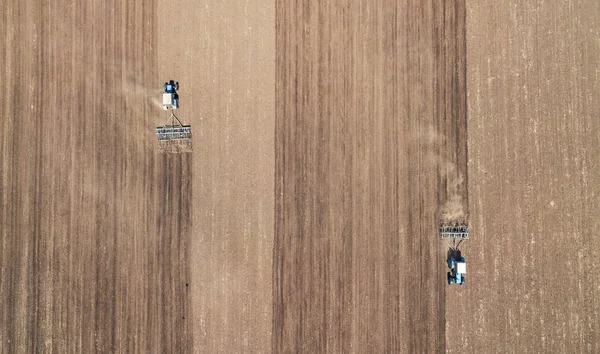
(223, 54)
(95, 225)
(534, 181)
(329, 139)
(370, 146)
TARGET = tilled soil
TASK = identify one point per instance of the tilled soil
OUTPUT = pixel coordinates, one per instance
(329, 139)
(222, 53)
(95, 224)
(534, 184)
(370, 134)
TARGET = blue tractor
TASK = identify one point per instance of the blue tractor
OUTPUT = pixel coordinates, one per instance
(170, 96)
(173, 131)
(458, 269)
(457, 232)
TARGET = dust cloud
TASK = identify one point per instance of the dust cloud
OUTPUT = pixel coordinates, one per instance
(453, 210)
(452, 181)
(135, 90)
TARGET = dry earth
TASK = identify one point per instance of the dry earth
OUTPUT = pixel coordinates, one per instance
(222, 53)
(534, 151)
(370, 129)
(95, 224)
(329, 138)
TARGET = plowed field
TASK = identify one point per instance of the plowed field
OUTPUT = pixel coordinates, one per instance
(371, 147)
(329, 139)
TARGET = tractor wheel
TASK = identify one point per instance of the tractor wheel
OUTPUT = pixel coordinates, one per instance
(449, 279)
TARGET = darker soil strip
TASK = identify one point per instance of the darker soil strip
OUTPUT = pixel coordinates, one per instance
(451, 115)
(350, 94)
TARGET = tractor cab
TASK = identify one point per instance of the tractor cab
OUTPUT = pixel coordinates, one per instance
(170, 96)
(458, 269)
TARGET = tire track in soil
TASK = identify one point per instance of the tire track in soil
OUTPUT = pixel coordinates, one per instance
(174, 243)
